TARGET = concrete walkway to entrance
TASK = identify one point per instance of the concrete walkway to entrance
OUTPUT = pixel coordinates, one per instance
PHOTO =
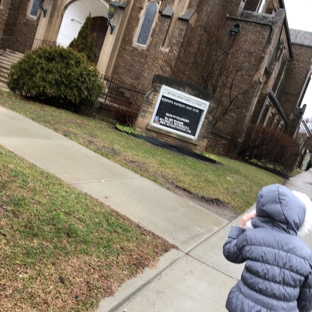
(194, 278)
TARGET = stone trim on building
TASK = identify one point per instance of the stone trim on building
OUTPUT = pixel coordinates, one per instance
(301, 37)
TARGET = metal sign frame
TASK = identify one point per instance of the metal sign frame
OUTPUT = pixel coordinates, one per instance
(179, 113)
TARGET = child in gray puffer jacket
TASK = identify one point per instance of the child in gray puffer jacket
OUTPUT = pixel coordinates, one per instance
(278, 265)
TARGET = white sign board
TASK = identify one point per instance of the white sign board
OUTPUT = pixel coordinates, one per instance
(179, 112)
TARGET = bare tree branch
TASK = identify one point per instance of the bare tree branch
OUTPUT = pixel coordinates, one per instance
(210, 61)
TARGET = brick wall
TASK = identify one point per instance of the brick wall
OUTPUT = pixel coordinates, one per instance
(259, 38)
(207, 14)
(19, 26)
(253, 41)
(274, 71)
(264, 67)
(254, 46)
(4, 9)
(137, 65)
(233, 6)
(295, 78)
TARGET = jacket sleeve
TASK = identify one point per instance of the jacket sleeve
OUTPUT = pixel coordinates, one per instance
(304, 300)
(231, 251)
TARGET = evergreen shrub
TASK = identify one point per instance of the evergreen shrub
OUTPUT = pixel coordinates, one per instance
(85, 43)
(270, 147)
(58, 77)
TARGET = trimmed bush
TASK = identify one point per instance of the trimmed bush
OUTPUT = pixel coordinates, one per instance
(59, 77)
(270, 147)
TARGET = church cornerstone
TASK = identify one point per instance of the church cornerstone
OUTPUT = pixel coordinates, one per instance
(178, 113)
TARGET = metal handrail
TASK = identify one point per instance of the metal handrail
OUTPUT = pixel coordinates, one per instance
(39, 42)
(121, 83)
(121, 94)
(30, 44)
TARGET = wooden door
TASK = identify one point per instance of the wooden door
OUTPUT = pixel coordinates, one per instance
(99, 28)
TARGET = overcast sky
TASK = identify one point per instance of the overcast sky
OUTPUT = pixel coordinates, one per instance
(299, 15)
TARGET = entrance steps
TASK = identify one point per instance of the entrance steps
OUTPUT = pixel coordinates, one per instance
(7, 58)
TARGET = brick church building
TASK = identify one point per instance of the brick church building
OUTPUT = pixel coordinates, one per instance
(242, 51)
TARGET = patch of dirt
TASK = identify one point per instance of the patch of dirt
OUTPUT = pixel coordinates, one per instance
(137, 165)
(214, 205)
(2, 210)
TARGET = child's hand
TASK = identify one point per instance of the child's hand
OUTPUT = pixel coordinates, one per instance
(246, 218)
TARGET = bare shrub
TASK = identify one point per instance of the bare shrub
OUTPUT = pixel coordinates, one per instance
(125, 115)
(270, 147)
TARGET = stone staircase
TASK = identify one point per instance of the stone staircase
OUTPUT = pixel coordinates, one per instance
(7, 58)
(119, 97)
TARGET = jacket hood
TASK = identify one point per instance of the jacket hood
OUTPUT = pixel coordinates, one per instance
(306, 227)
(279, 209)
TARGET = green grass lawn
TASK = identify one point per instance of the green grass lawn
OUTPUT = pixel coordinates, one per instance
(61, 250)
(233, 182)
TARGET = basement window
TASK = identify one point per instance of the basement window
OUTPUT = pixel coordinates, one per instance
(146, 24)
(34, 7)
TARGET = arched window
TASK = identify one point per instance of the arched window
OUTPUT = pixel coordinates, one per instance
(146, 25)
(34, 7)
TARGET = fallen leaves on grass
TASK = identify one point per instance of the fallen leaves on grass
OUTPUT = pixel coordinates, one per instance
(61, 250)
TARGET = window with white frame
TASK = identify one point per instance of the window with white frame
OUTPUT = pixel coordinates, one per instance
(34, 7)
(146, 24)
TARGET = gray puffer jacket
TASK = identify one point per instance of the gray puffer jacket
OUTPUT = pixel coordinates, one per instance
(278, 269)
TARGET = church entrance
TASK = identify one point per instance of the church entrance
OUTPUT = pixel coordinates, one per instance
(74, 17)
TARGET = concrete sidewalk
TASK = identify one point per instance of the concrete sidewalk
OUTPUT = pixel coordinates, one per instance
(195, 278)
(195, 281)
